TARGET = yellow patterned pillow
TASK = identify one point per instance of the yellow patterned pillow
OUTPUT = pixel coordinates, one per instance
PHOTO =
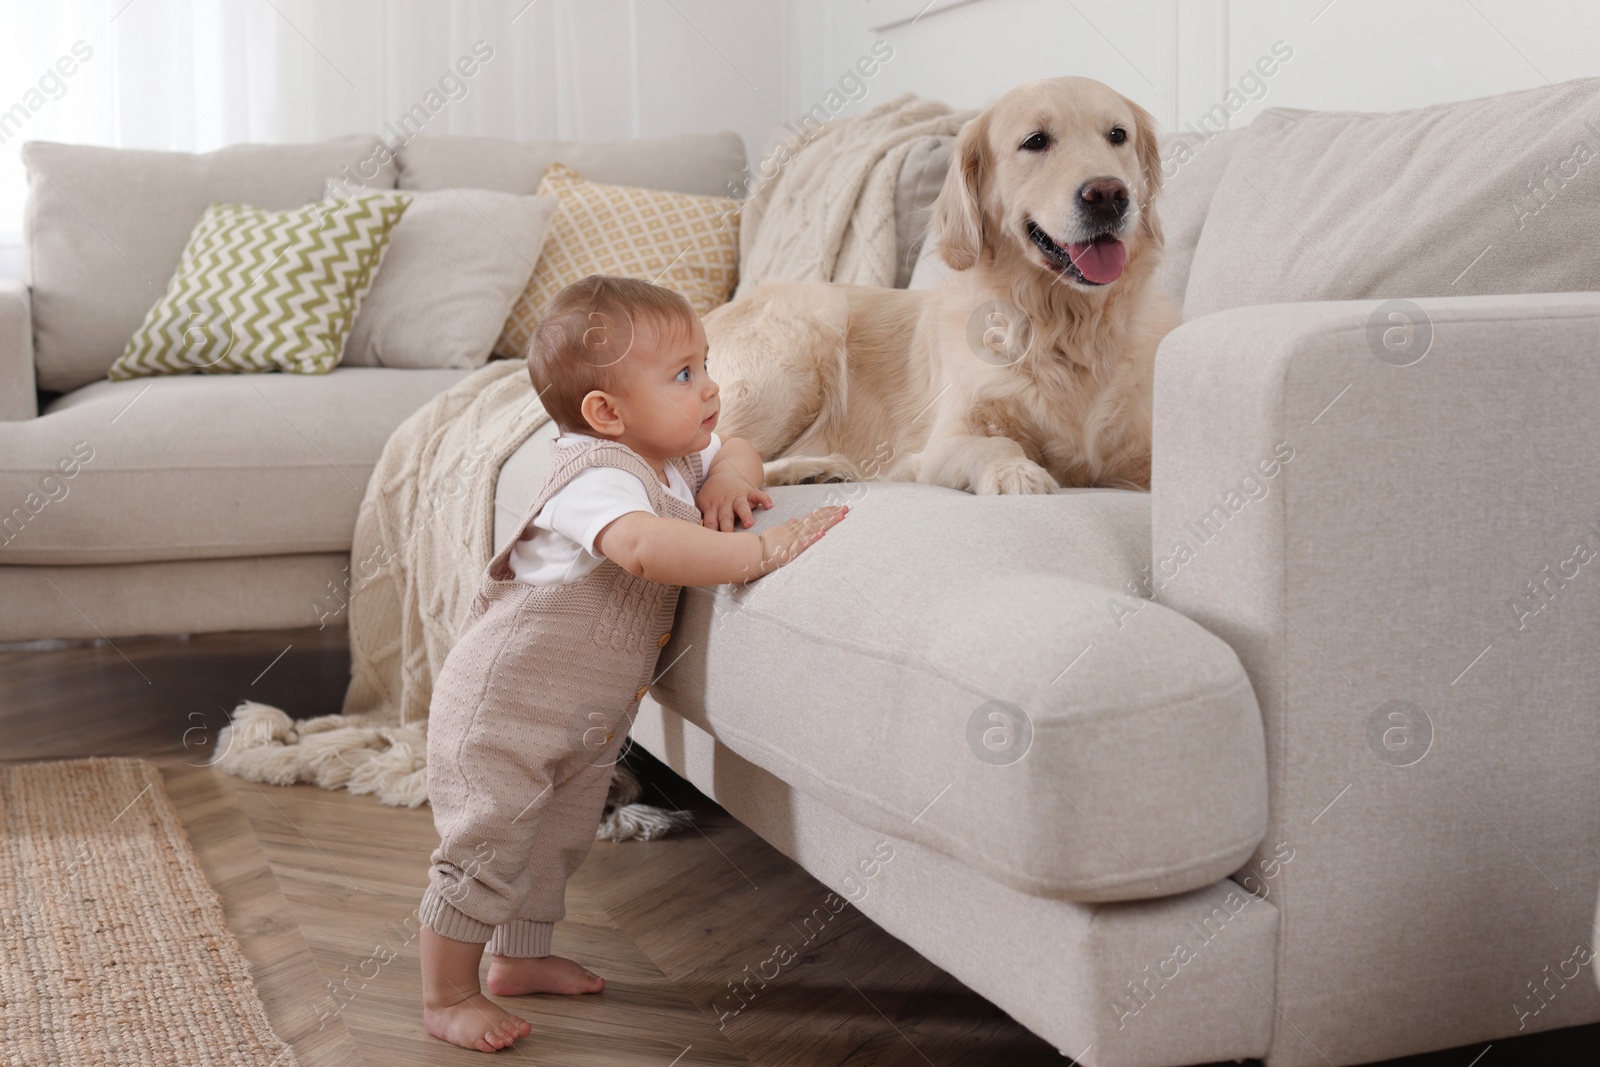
(686, 243)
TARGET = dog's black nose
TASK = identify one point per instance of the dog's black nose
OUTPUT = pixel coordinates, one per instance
(1104, 198)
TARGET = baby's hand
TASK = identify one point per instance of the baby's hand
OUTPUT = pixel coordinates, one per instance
(784, 542)
(726, 496)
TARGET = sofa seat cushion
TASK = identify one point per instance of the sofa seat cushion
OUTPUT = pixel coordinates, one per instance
(1077, 974)
(897, 668)
(201, 466)
(863, 674)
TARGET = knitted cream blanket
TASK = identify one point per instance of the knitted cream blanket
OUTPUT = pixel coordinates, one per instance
(822, 207)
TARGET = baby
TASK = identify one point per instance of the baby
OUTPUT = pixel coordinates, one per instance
(533, 703)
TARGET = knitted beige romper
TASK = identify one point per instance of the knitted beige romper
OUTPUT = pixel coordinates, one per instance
(528, 716)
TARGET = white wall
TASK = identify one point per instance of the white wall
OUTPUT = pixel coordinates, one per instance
(195, 75)
(1179, 59)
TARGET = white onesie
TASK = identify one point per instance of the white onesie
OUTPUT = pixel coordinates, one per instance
(562, 547)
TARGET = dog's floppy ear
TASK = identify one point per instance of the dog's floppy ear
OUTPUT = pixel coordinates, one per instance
(958, 212)
(1148, 148)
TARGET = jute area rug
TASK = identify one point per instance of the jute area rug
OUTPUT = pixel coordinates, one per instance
(113, 948)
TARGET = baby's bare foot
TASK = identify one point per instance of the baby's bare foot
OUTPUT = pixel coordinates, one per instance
(516, 976)
(474, 1022)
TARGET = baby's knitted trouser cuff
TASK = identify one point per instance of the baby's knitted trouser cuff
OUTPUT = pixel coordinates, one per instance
(519, 937)
(444, 919)
(522, 937)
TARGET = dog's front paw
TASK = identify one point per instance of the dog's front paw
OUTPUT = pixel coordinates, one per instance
(809, 470)
(1015, 476)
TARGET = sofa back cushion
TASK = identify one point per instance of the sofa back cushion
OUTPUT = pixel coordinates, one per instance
(1493, 195)
(705, 164)
(1192, 165)
(105, 227)
(921, 177)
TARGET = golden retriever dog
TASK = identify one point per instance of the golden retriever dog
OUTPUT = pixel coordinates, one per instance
(1028, 369)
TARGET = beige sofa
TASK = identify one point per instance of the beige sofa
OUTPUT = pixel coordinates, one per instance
(1322, 798)
(213, 502)
(1327, 797)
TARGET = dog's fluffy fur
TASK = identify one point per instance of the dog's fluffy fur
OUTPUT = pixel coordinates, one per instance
(845, 382)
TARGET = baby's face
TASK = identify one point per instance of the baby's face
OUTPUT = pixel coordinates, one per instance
(668, 402)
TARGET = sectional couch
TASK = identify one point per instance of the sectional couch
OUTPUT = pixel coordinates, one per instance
(213, 502)
(1291, 758)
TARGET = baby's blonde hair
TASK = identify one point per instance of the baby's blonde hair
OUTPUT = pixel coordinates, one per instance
(580, 343)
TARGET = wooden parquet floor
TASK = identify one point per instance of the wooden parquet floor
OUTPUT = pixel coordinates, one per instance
(321, 889)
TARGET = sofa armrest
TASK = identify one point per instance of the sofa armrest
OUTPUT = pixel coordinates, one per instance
(1404, 558)
(18, 400)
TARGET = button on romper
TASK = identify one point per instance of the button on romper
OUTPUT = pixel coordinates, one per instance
(527, 719)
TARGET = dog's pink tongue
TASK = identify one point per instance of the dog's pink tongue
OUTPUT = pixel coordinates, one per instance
(1099, 261)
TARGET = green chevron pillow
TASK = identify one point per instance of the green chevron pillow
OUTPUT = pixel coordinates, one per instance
(265, 290)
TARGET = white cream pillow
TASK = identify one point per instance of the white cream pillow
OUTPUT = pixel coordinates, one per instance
(456, 263)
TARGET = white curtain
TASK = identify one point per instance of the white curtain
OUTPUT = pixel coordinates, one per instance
(195, 75)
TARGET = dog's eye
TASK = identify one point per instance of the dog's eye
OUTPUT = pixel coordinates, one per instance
(1036, 142)
(1117, 135)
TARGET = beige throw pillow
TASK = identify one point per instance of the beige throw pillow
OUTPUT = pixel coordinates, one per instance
(686, 243)
(1494, 195)
(456, 263)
